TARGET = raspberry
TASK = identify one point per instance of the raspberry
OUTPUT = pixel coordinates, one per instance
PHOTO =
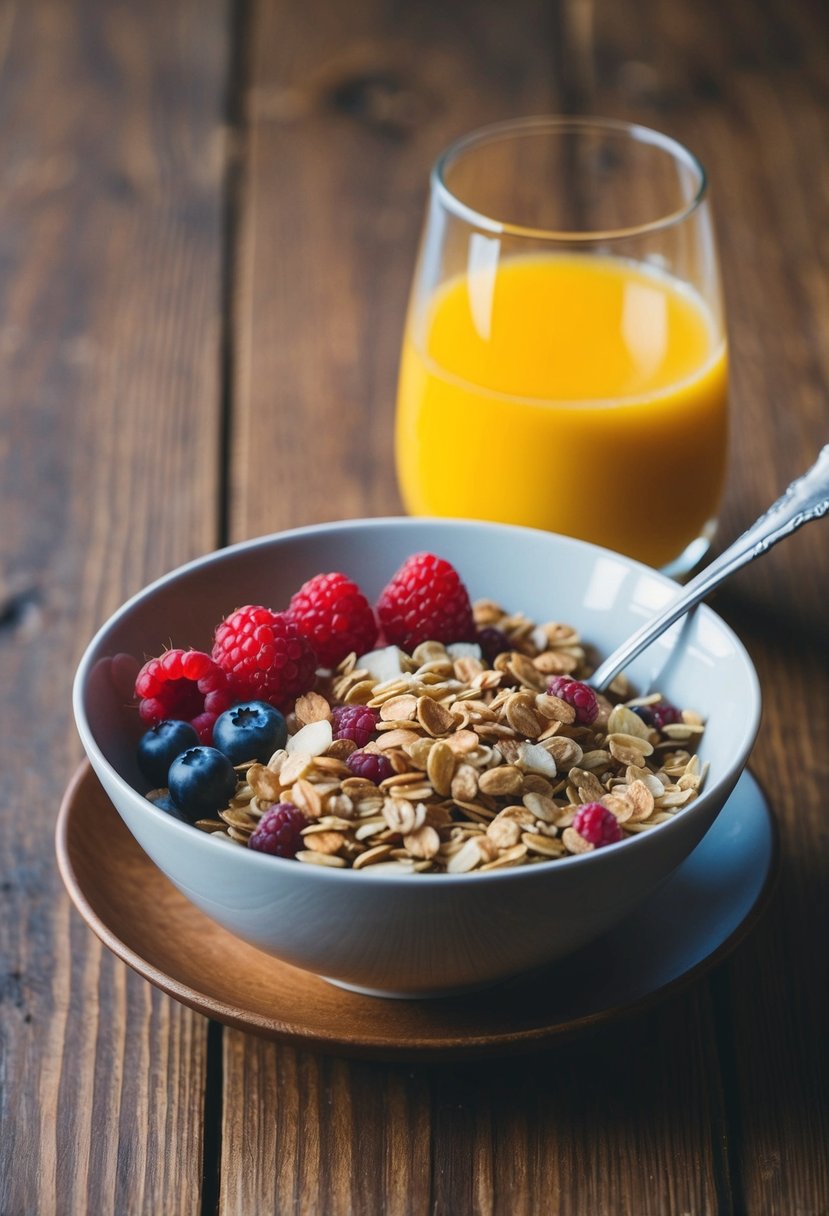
(660, 714)
(265, 656)
(596, 824)
(185, 685)
(279, 831)
(492, 642)
(580, 696)
(425, 601)
(370, 765)
(334, 615)
(355, 722)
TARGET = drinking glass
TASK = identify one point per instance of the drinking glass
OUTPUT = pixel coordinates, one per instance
(564, 363)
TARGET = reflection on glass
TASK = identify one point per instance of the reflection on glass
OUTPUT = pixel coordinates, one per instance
(564, 363)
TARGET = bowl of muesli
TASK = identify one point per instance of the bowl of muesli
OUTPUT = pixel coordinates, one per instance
(371, 748)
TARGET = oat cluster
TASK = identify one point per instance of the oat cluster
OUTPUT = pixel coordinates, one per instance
(489, 769)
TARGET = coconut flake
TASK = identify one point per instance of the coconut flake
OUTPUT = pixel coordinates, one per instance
(539, 638)
(311, 740)
(382, 665)
(533, 758)
(464, 650)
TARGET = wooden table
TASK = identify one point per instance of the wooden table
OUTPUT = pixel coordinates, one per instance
(208, 217)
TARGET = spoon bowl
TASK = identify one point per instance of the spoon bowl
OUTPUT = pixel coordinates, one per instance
(806, 499)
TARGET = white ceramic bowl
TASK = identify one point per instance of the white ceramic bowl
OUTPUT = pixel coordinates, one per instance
(421, 935)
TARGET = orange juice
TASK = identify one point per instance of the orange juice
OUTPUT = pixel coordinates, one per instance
(576, 393)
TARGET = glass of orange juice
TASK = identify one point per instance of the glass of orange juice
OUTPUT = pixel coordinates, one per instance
(564, 363)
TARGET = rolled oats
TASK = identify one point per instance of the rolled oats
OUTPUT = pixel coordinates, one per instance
(505, 858)
(323, 841)
(488, 768)
(320, 859)
(440, 767)
(380, 852)
(545, 846)
(505, 833)
(422, 843)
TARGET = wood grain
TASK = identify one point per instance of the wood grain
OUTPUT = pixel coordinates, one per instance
(110, 222)
(746, 86)
(117, 195)
(589, 1127)
(345, 112)
(342, 124)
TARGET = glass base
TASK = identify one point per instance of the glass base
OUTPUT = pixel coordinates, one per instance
(692, 554)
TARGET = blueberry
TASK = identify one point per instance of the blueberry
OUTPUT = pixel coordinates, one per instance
(202, 781)
(158, 748)
(253, 730)
(165, 803)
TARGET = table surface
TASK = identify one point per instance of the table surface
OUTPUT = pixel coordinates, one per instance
(208, 219)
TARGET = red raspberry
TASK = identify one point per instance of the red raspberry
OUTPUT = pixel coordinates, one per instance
(370, 765)
(596, 824)
(279, 831)
(660, 714)
(425, 601)
(580, 696)
(185, 685)
(265, 656)
(355, 722)
(334, 615)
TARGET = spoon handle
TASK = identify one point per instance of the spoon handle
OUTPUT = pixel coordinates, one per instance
(807, 498)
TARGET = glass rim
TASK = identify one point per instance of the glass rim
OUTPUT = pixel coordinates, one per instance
(561, 123)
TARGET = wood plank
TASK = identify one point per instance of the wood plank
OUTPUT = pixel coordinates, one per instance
(111, 163)
(746, 86)
(345, 117)
(612, 1123)
(343, 122)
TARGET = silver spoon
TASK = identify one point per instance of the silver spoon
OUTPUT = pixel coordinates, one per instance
(807, 498)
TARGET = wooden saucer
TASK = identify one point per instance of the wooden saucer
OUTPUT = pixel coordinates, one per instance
(708, 905)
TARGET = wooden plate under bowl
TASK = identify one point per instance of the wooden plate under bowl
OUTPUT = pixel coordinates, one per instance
(697, 917)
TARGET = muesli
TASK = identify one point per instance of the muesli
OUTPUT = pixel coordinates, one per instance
(480, 748)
